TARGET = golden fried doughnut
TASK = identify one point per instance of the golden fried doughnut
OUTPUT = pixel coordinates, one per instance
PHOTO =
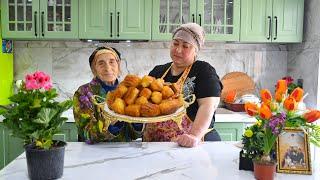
(131, 80)
(120, 91)
(157, 85)
(132, 110)
(146, 81)
(141, 100)
(170, 106)
(156, 97)
(118, 106)
(110, 98)
(131, 95)
(146, 92)
(166, 92)
(149, 110)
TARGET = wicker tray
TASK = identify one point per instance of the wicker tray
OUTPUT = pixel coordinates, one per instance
(238, 81)
(111, 117)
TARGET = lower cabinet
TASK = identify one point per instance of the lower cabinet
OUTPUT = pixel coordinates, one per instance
(12, 147)
(230, 131)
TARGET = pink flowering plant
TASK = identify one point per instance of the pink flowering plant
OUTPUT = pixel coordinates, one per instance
(34, 115)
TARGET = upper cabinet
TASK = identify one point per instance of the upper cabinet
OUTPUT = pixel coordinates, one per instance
(219, 18)
(115, 19)
(39, 19)
(271, 20)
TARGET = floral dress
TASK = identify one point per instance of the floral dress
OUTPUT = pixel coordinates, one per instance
(90, 122)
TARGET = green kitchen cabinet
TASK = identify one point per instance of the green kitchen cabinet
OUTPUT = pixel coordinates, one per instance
(230, 131)
(219, 18)
(11, 147)
(69, 133)
(115, 19)
(271, 20)
(39, 19)
(2, 147)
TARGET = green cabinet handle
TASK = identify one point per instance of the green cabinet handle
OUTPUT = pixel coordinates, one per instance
(269, 34)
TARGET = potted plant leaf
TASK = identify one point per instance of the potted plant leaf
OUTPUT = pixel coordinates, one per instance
(35, 116)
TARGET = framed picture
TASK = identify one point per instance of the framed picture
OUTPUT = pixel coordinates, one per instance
(293, 152)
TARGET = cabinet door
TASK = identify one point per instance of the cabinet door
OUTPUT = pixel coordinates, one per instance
(287, 20)
(256, 21)
(220, 19)
(2, 147)
(20, 19)
(68, 133)
(133, 19)
(169, 14)
(230, 131)
(59, 19)
(97, 19)
(13, 147)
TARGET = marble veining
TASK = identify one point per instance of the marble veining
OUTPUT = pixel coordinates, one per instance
(140, 160)
(67, 62)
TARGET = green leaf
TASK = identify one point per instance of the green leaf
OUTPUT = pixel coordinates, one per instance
(47, 144)
(45, 116)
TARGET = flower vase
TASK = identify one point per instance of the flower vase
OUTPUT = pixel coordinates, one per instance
(264, 170)
(245, 163)
(45, 164)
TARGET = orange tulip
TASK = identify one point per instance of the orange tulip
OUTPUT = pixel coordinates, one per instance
(297, 94)
(265, 95)
(281, 86)
(279, 96)
(290, 104)
(312, 116)
(251, 108)
(265, 112)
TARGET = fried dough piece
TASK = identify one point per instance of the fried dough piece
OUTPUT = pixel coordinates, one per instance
(110, 98)
(131, 95)
(170, 106)
(118, 106)
(157, 85)
(149, 110)
(132, 110)
(120, 91)
(141, 100)
(166, 92)
(146, 81)
(156, 97)
(131, 80)
(146, 92)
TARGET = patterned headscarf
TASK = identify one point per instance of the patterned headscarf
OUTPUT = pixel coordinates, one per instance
(191, 33)
(102, 50)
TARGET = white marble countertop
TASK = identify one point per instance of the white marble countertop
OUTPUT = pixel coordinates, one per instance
(136, 160)
(222, 115)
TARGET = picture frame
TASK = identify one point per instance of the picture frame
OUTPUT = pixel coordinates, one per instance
(293, 152)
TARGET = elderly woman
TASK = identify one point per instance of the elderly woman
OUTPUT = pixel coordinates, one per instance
(105, 66)
(193, 77)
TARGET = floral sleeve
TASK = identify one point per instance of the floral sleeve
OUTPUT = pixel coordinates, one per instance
(82, 115)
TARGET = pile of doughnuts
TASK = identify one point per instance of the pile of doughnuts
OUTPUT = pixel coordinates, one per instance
(144, 97)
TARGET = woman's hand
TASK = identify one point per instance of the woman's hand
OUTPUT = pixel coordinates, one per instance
(187, 140)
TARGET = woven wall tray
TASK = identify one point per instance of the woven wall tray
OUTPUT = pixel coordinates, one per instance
(238, 81)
